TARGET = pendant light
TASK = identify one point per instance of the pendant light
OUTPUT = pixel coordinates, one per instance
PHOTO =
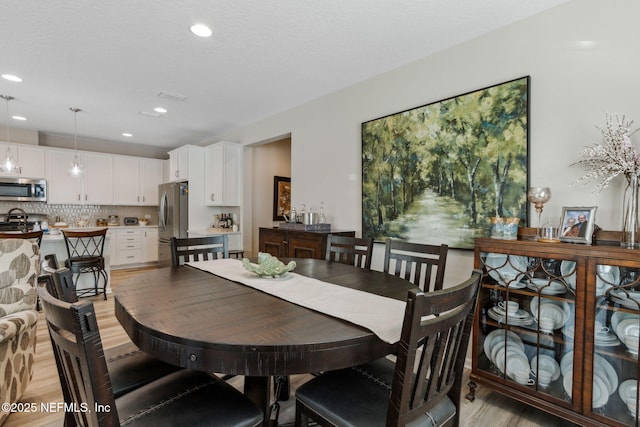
(9, 163)
(76, 167)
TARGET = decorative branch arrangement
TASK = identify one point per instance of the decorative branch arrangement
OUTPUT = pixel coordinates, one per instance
(615, 156)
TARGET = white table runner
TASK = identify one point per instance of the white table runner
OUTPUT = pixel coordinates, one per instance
(382, 315)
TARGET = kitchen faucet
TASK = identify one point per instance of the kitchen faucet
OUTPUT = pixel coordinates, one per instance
(24, 217)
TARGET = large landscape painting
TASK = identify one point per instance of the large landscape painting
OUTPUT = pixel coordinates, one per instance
(437, 173)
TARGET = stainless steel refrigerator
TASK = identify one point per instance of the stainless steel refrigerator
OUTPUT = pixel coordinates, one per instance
(173, 217)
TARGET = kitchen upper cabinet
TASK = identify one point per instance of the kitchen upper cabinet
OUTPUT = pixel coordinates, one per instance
(223, 174)
(30, 160)
(137, 180)
(98, 178)
(94, 186)
(151, 175)
(62, 188)
(179, 162)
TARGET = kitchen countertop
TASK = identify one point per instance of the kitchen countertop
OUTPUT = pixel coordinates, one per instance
(53, 237)
(210, 233)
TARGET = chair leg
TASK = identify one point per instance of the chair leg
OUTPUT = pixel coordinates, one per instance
(106, 281)
(281, 388)
(301, 420)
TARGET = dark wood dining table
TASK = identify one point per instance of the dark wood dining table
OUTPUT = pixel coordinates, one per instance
(194, 319)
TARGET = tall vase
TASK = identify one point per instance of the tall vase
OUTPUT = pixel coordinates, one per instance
(630, 223)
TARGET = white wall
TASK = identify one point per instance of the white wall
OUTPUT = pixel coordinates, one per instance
(268, 160)
(572, 88)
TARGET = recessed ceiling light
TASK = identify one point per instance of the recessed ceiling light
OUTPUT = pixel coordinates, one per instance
(127, 134)
(586, 44)
(160, 110)
(18, 118)
(201, 30)
(11, 78)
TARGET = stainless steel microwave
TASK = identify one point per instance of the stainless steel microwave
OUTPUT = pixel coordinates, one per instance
(23, 189)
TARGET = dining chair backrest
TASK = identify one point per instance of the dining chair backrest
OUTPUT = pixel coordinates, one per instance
(198, 248)
(421, 264)
(65, 289)
(77, 347)
(350, 250)
(34, 236)
(432, 350)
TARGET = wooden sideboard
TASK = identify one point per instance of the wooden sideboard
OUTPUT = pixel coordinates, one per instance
(296, 244)
(595, 289)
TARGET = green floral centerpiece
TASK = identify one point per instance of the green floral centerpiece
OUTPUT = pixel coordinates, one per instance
(268, 265)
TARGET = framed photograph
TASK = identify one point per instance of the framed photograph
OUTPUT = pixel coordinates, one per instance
(577, 224)
(437, 173)
(281, 197)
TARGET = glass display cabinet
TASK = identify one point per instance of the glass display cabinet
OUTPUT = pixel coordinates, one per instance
(557, 327)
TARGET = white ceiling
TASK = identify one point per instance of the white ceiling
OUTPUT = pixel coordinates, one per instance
(111, 58)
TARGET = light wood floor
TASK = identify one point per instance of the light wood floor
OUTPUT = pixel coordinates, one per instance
(489, 409)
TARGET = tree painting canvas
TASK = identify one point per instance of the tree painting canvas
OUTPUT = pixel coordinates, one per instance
(438, 173)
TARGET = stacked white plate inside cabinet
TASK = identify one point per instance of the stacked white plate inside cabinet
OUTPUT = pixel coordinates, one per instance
(507, 270)
(545, 368)
(603, 337)
(628, 392)
(519, 318)
(605, 379)
(607, 276)
(628, 331)
(546, 286)
(629, 299)
(505, 350)
(553, 314)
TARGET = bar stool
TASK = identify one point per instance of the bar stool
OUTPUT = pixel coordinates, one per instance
(85, 252)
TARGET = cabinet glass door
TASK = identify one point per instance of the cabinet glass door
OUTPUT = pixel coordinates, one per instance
(616, 332)
(527, 307)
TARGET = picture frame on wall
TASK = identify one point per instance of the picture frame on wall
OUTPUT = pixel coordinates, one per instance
(281, 197)
(577, 224)
(437, 173)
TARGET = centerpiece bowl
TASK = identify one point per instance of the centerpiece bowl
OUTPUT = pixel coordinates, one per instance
(268, 265)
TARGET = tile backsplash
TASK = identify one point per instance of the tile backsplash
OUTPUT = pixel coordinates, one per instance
(71, 214)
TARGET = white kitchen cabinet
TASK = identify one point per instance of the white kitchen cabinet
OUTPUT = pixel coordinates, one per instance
(149, 244)
(29, 160)
(129, 246)
(112, 237)
(62, 188)
(135, 245)
(98, 178)
(151, 175)
(223, 174)
(136, 180)
(94, 186)
(179, 164)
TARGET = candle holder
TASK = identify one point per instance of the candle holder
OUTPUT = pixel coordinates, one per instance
(539, 196)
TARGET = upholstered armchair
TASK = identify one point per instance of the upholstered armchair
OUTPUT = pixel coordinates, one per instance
(19, 270)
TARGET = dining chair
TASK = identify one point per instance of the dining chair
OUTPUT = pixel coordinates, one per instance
(421, 264)
(183, 398)
(85, 255)
(34, 236)
(198, 248)
(128, 366)
(422, 388)
(350, 250)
